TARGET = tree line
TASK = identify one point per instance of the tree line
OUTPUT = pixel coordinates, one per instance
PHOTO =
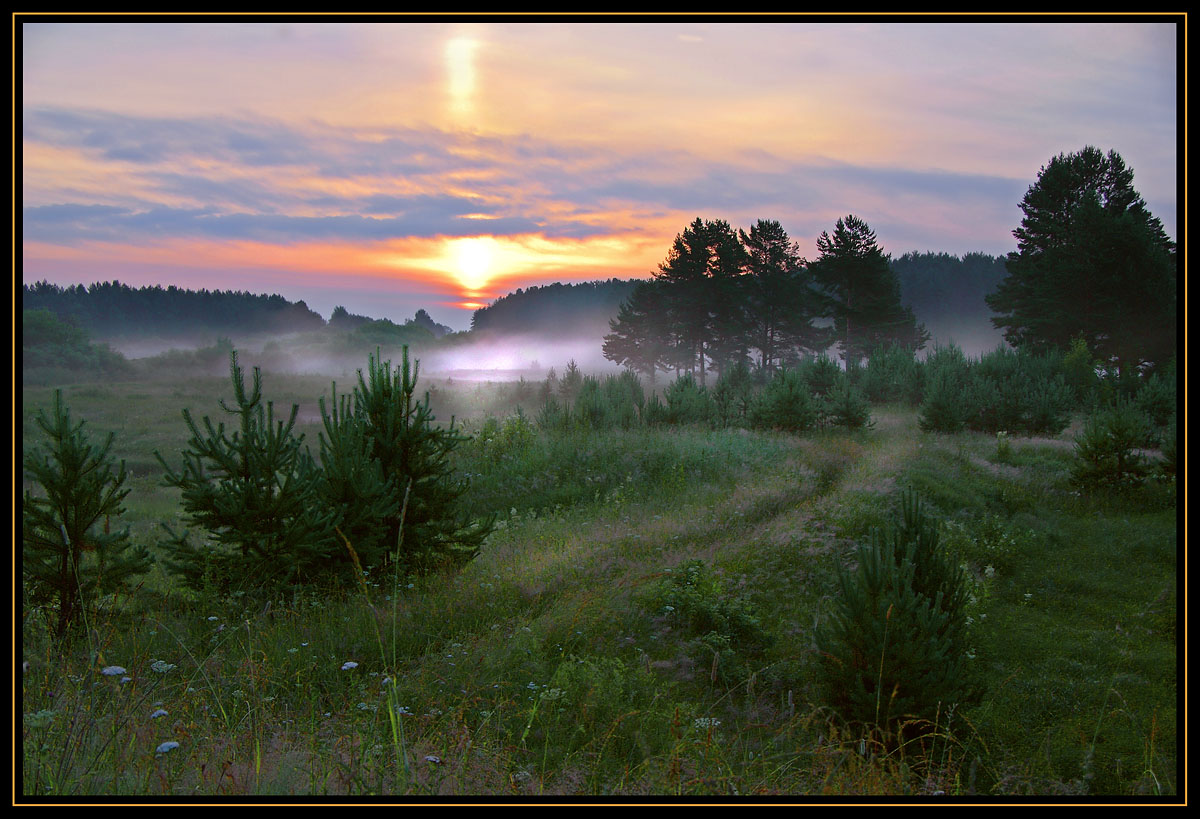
(725, 297)
(116, 310)
(1093, 265)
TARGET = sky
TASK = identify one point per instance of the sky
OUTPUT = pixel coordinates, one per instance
(398, 163)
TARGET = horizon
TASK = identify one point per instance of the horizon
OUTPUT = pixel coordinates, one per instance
(396, 165)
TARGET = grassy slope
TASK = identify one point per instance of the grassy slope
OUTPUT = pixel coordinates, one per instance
(552, 665)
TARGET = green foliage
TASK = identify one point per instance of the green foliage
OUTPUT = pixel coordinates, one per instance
(847, 406)
(864, 292)
(612, 403)
(354, 487)
(415, 453)
(944, 409)
(570, 383)
(1080, 371)
(53, 350)
(733, 395)
(786, 404)
(1106, 450)
(822, 374)
(1092, 263)
(686, 402)
(894, 648)
(256, 492)
(552, 415)
(892, 375)
(64, 560)
(715, 623)
(1157, 400)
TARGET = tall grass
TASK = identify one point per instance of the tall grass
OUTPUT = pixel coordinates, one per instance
(549, 664)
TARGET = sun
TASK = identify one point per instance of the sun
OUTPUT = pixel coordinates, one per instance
(474, 260)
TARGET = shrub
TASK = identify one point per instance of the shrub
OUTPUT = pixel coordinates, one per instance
(732, 396)
(1157, 400)
(785, 403)
(1106, 450)
(892, 375)
(720, 626)
(63, 558)
(893, 651)
(687, 402)
(944, 409)
(846, 406)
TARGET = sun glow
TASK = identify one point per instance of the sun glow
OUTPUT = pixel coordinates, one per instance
(474, 261)
(460, 75)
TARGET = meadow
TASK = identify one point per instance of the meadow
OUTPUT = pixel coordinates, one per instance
(640, 622)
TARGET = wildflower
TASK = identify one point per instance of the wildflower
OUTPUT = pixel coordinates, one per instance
(112, 671)
(166, 747)
(436, 760)
(706, 722)
(126, 679)
(402, 710)
(161, 712)
(212, 618)
(348, 665)
(989, 571)
(161, 666)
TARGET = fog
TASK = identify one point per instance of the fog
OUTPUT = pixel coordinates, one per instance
(474, 357)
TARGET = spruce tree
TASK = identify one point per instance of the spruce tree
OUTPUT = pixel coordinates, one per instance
(67, 555)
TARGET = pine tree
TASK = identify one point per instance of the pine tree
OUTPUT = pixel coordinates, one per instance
(865, 292)
(780, 298)
(256, 492)
(353, 484)
(64, 559)
(1091, 263)
(415, 453)
(894, 649)
(639, 337)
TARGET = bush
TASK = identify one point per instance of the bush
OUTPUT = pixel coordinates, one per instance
(893, 651)
(892, 375)
(944, 409)
(733, 395)
(1106, 450)
(785, 403)
(716, 623)
(63, 558)
(414, 452)
(846, 406)
(687, 402)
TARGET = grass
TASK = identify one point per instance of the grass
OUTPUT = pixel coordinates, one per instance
(550, 665)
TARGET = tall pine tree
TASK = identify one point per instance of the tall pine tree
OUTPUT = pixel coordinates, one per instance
(865, 293)
(1091, 263)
